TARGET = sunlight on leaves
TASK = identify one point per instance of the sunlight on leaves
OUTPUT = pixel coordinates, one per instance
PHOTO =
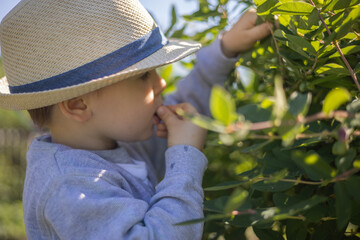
(222, 105)
(334, 99)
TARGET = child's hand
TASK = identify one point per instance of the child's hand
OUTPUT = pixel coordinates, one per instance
(179, 131)
(244, 34)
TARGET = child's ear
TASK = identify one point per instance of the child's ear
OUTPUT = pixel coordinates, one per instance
(76, 109)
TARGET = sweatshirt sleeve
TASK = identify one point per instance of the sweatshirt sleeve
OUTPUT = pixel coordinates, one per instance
(104, 207)
(212, 67)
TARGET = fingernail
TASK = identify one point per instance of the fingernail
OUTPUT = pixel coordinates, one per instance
(160, 110)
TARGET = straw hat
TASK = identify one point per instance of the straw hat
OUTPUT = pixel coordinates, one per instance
(57, 50)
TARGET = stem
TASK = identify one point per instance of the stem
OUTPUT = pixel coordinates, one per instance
(300, 217)
(296, 181)
(328, 219)
(351, 71)
(268, 124)
(277, 46)
(322, 115)
(313, 66)
(342, 177)
(249, 211)
(346, 175)
(298, 136)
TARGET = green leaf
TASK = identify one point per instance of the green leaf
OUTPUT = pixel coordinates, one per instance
(332, 68)
(255, 147)
(334, 99)
(204, 122)
(283, 200)
(299, 103)
(254, 113)
(173, 20)
(259, 2)
(314, 166)
(222, 105)
(343, 205)
(243, 221)
(295, 229)
(304, 205)
(353, 15)
(179, 33)
(345, 162)
(293, 8)
(289, 137)
(247, 78)
(216, 205)
(353, 106)
(237, 198)
(267, 234)
(296, 43)
(344, 26)
(166, 71)
(353, 186)
(313, 18)
(245, 162)
(280, 106)
(264, 7)
(347, 50)
(272, 186)
(339, 4)
(305, 143)
(202, 15)
(301, 43)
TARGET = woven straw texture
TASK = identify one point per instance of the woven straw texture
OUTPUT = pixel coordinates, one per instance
(44, 38)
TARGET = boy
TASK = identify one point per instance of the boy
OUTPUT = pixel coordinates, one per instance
(85, 69)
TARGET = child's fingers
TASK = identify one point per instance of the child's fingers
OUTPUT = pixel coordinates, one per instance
(260, 31)
(162, 134)
(161, 127)
(248, 20)
(161, 130)
(186, 107)
(166, 114)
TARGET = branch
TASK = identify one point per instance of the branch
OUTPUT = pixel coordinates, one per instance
(342, 177)
(280, 59)
(249, 211)
(351, 71)
(298, 136)
(269, 124)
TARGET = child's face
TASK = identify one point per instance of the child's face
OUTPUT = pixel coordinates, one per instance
(125, 111)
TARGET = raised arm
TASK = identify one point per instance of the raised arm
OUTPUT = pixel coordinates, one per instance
(215, 62)
(212, 67)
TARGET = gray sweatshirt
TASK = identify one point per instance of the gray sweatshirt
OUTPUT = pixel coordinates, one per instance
(79, 194)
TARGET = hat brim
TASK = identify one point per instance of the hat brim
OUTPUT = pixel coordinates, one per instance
(174, 51)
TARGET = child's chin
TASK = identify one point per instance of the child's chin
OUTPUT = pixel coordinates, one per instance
(147, 135)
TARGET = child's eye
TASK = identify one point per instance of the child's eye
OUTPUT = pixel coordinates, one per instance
(145, 76)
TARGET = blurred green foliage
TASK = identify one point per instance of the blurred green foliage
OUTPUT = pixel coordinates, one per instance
(15, 127)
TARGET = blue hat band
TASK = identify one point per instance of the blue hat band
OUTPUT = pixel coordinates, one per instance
(107, 65)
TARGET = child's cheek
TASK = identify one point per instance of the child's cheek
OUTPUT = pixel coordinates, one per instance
(149, 98)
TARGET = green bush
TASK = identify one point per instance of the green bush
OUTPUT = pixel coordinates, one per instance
(11, 219)
(284, 148)
(15, 129)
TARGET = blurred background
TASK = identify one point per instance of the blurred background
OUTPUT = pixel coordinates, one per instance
(17, 131)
